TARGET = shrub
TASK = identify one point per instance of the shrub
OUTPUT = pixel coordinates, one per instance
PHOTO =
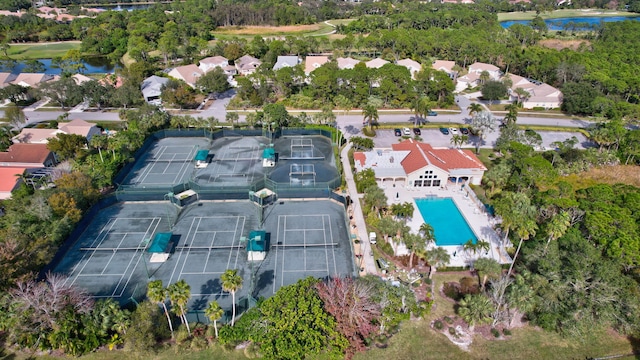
(506, 332)
(468, 285)
(368, 132)
(438, 325)
(385, 247)
(182, 335)
(452, 290)
(199, 343)
(448, 320)
(426, 279)
(452, 331)
(416, 283)
(495, 332)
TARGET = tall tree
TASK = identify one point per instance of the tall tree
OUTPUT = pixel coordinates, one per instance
(14, 115)
(486, 268)
(231, 282)
(214, 312)
(482, 123)
(437, 257)
(370, 115)
(158, 294)
(475, 309)
(474, 108)
(179, 294)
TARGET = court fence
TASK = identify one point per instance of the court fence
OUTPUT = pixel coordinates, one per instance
(221, 192)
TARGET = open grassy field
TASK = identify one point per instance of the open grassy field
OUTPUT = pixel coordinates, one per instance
(41, 50)
(317, 29)
(528, 15)
(619, 174)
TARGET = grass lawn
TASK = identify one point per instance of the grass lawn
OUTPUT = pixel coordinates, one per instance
(41, 51)
(564, 13)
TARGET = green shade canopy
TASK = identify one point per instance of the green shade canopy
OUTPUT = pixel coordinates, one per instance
(160, 243)
(201, 155)
(269, 153)
(257, 241)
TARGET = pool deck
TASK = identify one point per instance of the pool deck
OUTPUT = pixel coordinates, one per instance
(480, 222)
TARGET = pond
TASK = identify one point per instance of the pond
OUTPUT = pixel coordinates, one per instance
(93, 65)
(573, 23)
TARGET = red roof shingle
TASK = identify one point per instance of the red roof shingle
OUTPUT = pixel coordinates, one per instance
(422, 154)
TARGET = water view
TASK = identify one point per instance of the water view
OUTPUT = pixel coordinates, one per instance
(574, 23)
(93, 65)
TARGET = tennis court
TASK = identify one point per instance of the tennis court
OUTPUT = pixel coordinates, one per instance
(236, 161)
(304, 160)
(168, 162)
(307, 238)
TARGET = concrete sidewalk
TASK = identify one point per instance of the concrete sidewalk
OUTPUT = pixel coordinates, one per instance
(355, 211)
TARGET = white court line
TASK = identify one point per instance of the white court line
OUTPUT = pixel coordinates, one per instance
(319, 229)
(157, 221)
(184, 263)
(213, 239)
(185, 165)
(284, 238)
(333, 251)
(90, 255)
(147, 169)
(113, 253)
(326, 249)
(181, 252)
(237, 236)
(276, 257)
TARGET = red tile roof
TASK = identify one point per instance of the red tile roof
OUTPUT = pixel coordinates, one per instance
(361, 157)
(9, 176)
(422, 154)
(25, 153)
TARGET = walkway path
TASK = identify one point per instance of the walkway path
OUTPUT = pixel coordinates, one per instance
(356, 211)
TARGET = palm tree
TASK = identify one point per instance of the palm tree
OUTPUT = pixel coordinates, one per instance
(437, 257)
(474, 108)
(470, 247)
(456, 140)
(483, 245)
(428, 234)
(214, 312)
(486, 268)
(522, 95)
(557, 227)
(179, 294)
(415, 244)
(231, 282)
(512, 115)
(524, 230)
(375, 198)
(370, 114)
(158, 294)
(484, 77)
(99, 142)
(475, 309)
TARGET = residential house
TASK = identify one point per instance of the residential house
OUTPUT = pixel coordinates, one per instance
(411, 65)
(467, 81)
(313, 62)
(247, 65)
(376, 63)
(151, 88)
(80, 79)
(286, 61)
(10, 179)
(28, 156)
(478, 68)
(446, 66)
(418, 164)
(543, 96)
(33, 79)
(112, 79)
(187, 73)
(230, 70)
(347, 63)
(6, 79)
(42, 136)
(208, 64)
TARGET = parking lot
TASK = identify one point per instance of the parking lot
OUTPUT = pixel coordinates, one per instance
(385, 137)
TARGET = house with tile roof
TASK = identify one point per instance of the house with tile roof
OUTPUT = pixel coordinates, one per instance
(33, 79)
(42, 136)
(187, 73)
(212, 62)
(467, 81)
(446, 66)
(411, 65)
(80, 79)
(151, 88)
(247, 65)
(6, 79)
(28, 156)
(286, 61)
(543, 96)
(10, 179)
(478, 68)
(376, 63)
(313, 62)
(347, 63)
(418, 164)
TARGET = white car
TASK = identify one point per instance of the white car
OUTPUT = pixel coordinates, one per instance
(406, 131)
(454, 130)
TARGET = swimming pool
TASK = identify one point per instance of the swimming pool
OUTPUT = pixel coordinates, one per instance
(449, 227)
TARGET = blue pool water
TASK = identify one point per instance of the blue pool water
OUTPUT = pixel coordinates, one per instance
(449, 227)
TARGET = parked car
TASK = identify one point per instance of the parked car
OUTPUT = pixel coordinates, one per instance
(444, 131)
(453, 130)
(406, 131)
(464, 131)
(432, 113)
(416, 131)
(397, 132)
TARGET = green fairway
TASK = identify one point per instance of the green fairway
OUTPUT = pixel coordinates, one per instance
(41, 51)
(528, 15)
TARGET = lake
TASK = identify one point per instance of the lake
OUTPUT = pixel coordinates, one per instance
(573, 23)
(93, 65)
